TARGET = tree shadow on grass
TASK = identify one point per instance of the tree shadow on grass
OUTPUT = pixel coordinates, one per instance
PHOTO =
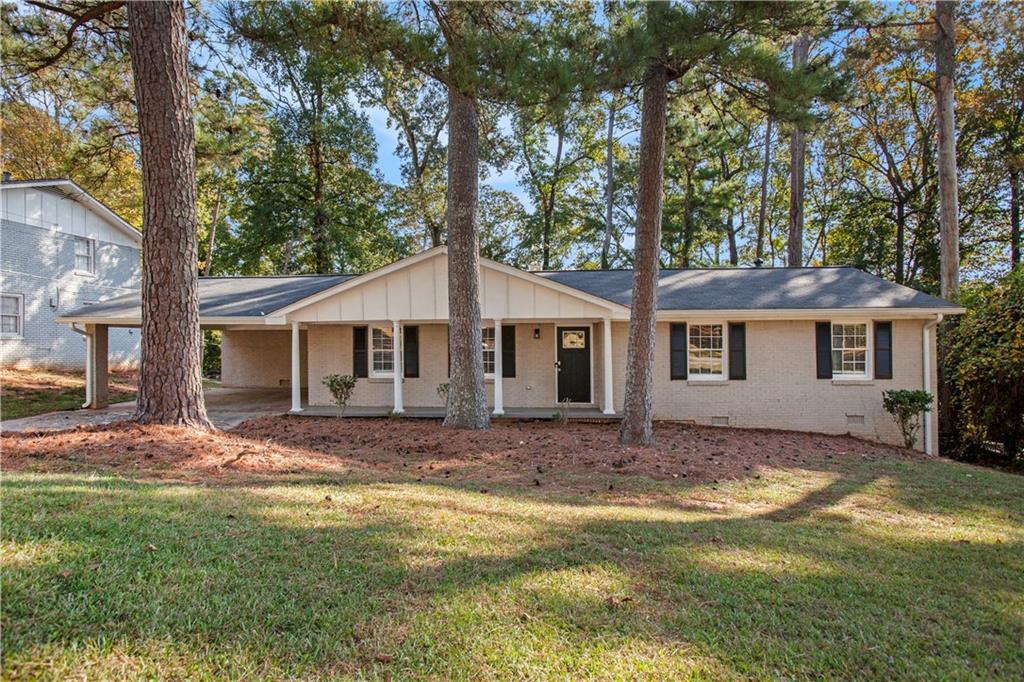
(281, 581)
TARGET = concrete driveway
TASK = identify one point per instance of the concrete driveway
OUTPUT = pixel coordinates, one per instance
(227, 407)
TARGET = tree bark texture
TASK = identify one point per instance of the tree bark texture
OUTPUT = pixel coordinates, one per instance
(945, 67)
(467, 399)
(763, 208)
(170, 379)
(609, 187)
(797, 155)
(1015, 218)
(637, 426)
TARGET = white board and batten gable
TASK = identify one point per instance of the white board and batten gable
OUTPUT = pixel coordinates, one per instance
(416, 290)
(61, 206)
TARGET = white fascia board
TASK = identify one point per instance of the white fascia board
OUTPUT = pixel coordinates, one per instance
(136, 322)
(807, 313)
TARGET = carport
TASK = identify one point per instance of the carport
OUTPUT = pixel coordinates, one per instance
(228, 304)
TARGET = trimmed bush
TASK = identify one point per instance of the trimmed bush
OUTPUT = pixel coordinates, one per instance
(906, 407)
(341, 387)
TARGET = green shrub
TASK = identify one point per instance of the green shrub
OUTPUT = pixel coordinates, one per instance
(211, 353)
(442, 392)
(906, 407)
(984, 364)
(341, 387)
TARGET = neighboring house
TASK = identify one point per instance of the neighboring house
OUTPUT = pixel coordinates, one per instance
(809, 349)
(60, 249)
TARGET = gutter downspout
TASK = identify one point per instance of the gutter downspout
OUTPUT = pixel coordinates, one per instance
(88, 364)
(926, 343)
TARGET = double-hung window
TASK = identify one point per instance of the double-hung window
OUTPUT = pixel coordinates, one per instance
(12, 315)
(849, 350)
(85, 256)
(705, 351)
(383, 352)
(488, 345)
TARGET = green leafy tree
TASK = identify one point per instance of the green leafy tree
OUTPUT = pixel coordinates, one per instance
(985, 365)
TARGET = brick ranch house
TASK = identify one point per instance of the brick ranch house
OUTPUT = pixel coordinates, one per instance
(792, 348)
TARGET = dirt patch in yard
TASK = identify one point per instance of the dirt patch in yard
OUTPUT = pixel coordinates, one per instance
(536, 453)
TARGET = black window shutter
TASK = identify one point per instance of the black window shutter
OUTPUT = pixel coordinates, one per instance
(677, 343)
(359, 364)
(508, 351)
(823, 349)
(883, 350)
(737, 350)
(411, 352)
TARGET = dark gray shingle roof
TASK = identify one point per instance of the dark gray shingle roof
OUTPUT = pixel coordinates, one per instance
(754, 288)
(226, 296)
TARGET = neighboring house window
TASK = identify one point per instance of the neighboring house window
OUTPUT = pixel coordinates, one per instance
(383, 350)
(85, 256)
(849, 350)
(705, 351)
(12, 315)
(488, 338)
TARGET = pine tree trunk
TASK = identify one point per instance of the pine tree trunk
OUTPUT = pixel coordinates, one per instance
(763, 209)
(734, 253)
(1015, 218)
(945, 55)
(467, 399)
(637, 426)
(212, 239)
(609, 187)
(170, 379)
(797, 155)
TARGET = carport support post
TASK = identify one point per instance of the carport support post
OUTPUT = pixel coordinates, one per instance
(609, 379)
(396, 363)
(98, 365)
(296, 370)
(499, 397)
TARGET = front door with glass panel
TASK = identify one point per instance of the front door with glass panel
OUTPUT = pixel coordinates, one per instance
(573, 364)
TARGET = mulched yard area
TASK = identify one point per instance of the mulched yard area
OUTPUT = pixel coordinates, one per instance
(534, 453)
(27, 392)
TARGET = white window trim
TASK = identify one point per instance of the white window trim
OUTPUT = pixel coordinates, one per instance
(92, 257)
(489, 375)
(724, 376)
(869, 350)
(374, 374)
(20, 334)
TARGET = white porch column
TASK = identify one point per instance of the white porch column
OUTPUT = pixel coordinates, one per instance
(296, 370)
(396, 350)
(609, 377)
(499, 397)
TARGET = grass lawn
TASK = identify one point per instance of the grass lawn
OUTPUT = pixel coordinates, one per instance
(852, 567)
(24, 393)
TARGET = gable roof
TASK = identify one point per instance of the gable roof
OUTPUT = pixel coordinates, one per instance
(221, 297)
(253, 299)
(72, 190)
(712, 289)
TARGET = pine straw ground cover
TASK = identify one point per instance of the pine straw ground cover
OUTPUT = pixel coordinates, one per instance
(24, 393)
(376, 549)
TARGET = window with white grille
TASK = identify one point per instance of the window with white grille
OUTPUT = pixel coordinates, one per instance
(12, 314)
(85, 256)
